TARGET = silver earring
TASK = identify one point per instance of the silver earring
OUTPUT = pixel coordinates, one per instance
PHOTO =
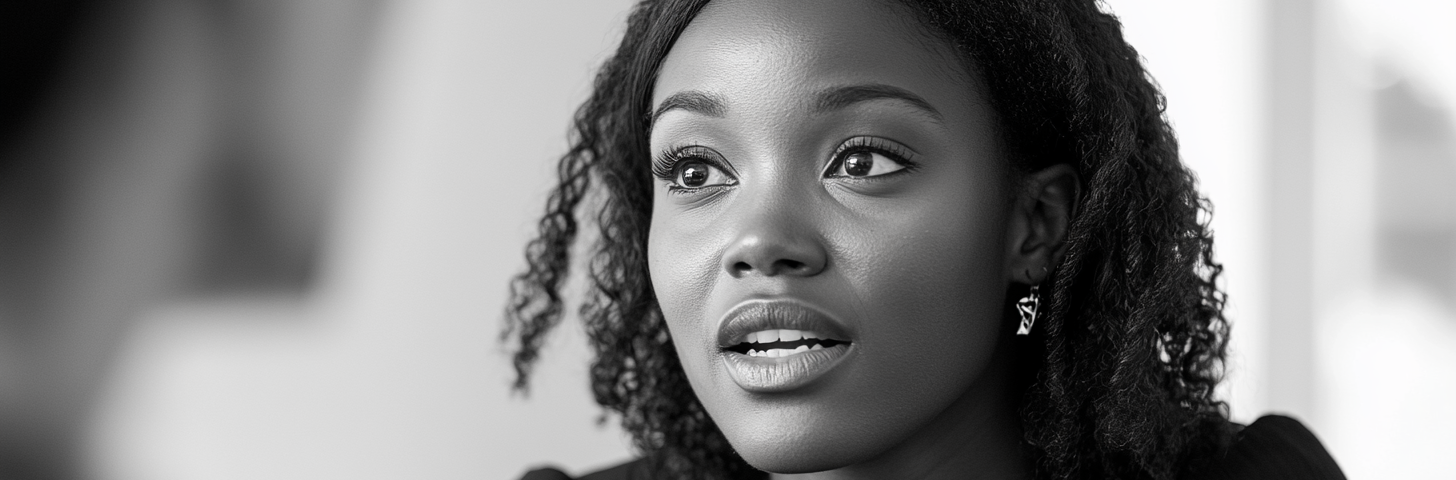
(1028, 307)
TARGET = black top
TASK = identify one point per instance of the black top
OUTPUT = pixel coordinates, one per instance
(1273, 447)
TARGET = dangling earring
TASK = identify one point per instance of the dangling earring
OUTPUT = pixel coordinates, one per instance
(1028, 307)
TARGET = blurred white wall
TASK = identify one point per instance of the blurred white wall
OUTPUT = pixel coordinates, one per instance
(1385, 235)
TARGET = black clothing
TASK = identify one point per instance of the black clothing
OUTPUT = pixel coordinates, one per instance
(1273, 447)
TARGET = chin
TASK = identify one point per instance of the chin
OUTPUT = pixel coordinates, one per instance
(826, 426)
(803, 449)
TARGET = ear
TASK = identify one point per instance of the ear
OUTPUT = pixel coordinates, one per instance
(1041, 216)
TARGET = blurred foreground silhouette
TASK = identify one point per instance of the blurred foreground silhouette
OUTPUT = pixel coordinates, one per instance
(153, 150)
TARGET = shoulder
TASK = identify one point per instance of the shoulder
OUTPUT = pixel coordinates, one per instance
(1274, 446)
(625, 471)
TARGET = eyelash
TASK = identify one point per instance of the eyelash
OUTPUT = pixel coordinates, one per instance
(664, 164)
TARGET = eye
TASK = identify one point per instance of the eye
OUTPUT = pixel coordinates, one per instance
(866, 164)
(694, 173)
(692, 168)
(868, 157)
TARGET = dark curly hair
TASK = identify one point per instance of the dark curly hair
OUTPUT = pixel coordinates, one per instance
(1119, 375)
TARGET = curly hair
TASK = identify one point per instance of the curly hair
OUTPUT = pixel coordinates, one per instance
(1120, 374)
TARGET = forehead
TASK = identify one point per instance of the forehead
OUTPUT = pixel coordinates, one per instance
(751, 49)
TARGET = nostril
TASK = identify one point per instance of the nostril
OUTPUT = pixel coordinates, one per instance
(754, 256)
(778, 267)
(790, 265)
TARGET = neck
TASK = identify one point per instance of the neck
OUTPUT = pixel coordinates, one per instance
(978, 436)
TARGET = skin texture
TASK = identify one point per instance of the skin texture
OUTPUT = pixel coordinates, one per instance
(916, 262)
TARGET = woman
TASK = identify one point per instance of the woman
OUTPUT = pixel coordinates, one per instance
(873, 239)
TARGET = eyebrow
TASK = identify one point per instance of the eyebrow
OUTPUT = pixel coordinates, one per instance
(827, 100)
(835, 98)
(692, 101)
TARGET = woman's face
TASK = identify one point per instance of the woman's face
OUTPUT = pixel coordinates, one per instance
(829, 228)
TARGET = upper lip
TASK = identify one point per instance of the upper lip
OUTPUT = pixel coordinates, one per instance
(763, 314)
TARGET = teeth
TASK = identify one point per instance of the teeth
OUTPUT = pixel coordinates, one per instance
(781, 335)
(782, 352)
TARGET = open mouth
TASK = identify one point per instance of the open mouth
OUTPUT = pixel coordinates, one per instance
(780, 345)
(783, 342)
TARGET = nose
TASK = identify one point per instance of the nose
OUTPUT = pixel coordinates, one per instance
(774, 243)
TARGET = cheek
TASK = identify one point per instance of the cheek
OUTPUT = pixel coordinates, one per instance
(933, 262)
(929, 283)
(683, 263)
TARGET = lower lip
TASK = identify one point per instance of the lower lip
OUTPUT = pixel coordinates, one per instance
(782, 374)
